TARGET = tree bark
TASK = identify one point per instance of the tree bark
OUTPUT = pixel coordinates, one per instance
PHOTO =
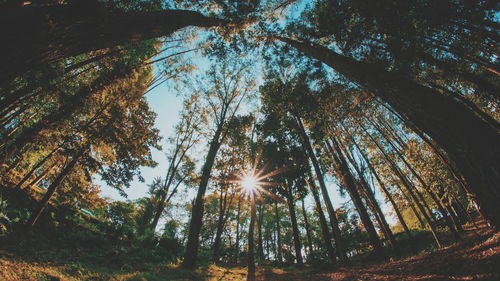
(319, 174)
(42, 35)
(468, 140)
(307, 227)
(260, 247)
(347, 180)
(278, 235)
(371, 200)
(52, 189)
(384, 189)
(251, 244)
(295, 226)
(237, 242)
(191, 254)
(327, 238)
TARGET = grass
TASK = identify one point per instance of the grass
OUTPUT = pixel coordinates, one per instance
(62, 260)
(75, 259)
(12, 270)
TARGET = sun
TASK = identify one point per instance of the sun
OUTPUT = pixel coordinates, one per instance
(249, 183)
(252, 181)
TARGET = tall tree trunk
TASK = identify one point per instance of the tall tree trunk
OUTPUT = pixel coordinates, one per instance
(456, 175)
(417, 201)
(37, 166)
(322, 220)
(446, 203)
(370, 199)
(409, 187)
(423, 183)
(42, 35)
(191, 254)
(468, 140)
(220, 226)
(52, 189)
(40, 176)
(237, 242)
(447, 216)
(307, 227)
(412, 207)
(158, 210)
(165, 196)
(251, 244)
(434, 147)
(384, 189)
(319, 174)
(278, 234)
(260, 246)
(295, 226)
(53, 119)
(347, 180)
(377, 211)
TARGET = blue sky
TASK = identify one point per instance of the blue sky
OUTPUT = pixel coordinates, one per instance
(164, 101)
(167, 104)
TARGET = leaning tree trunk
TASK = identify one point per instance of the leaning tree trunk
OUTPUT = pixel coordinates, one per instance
(471, 142)
(377, 211)
(42, 35)
(37, 166)
(31, 134)
(446, 203)
(295, 226)
(327, 238)
(409, 187)
(370, 198)
(308, 228)
(191, 254)
(319, 174)
(423, 183)
(40, 176)
(347, 180)
(52, 189)
(384, 189)
(412, 207)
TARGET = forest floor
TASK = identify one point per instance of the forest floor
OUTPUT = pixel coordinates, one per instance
(476, 257)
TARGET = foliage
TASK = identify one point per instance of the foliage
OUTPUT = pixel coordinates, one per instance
(253, 103)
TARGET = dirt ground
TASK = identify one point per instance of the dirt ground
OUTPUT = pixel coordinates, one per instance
(477, 257)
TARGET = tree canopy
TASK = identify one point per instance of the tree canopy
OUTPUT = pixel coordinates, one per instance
(310, 132)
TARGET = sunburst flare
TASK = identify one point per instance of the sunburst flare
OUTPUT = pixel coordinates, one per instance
(251, 181)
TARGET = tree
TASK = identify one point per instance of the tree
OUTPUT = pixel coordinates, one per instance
(348, 181)
(47, 34)
(428, 110)
(180, 167)
(111, 137)
(227, 86)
